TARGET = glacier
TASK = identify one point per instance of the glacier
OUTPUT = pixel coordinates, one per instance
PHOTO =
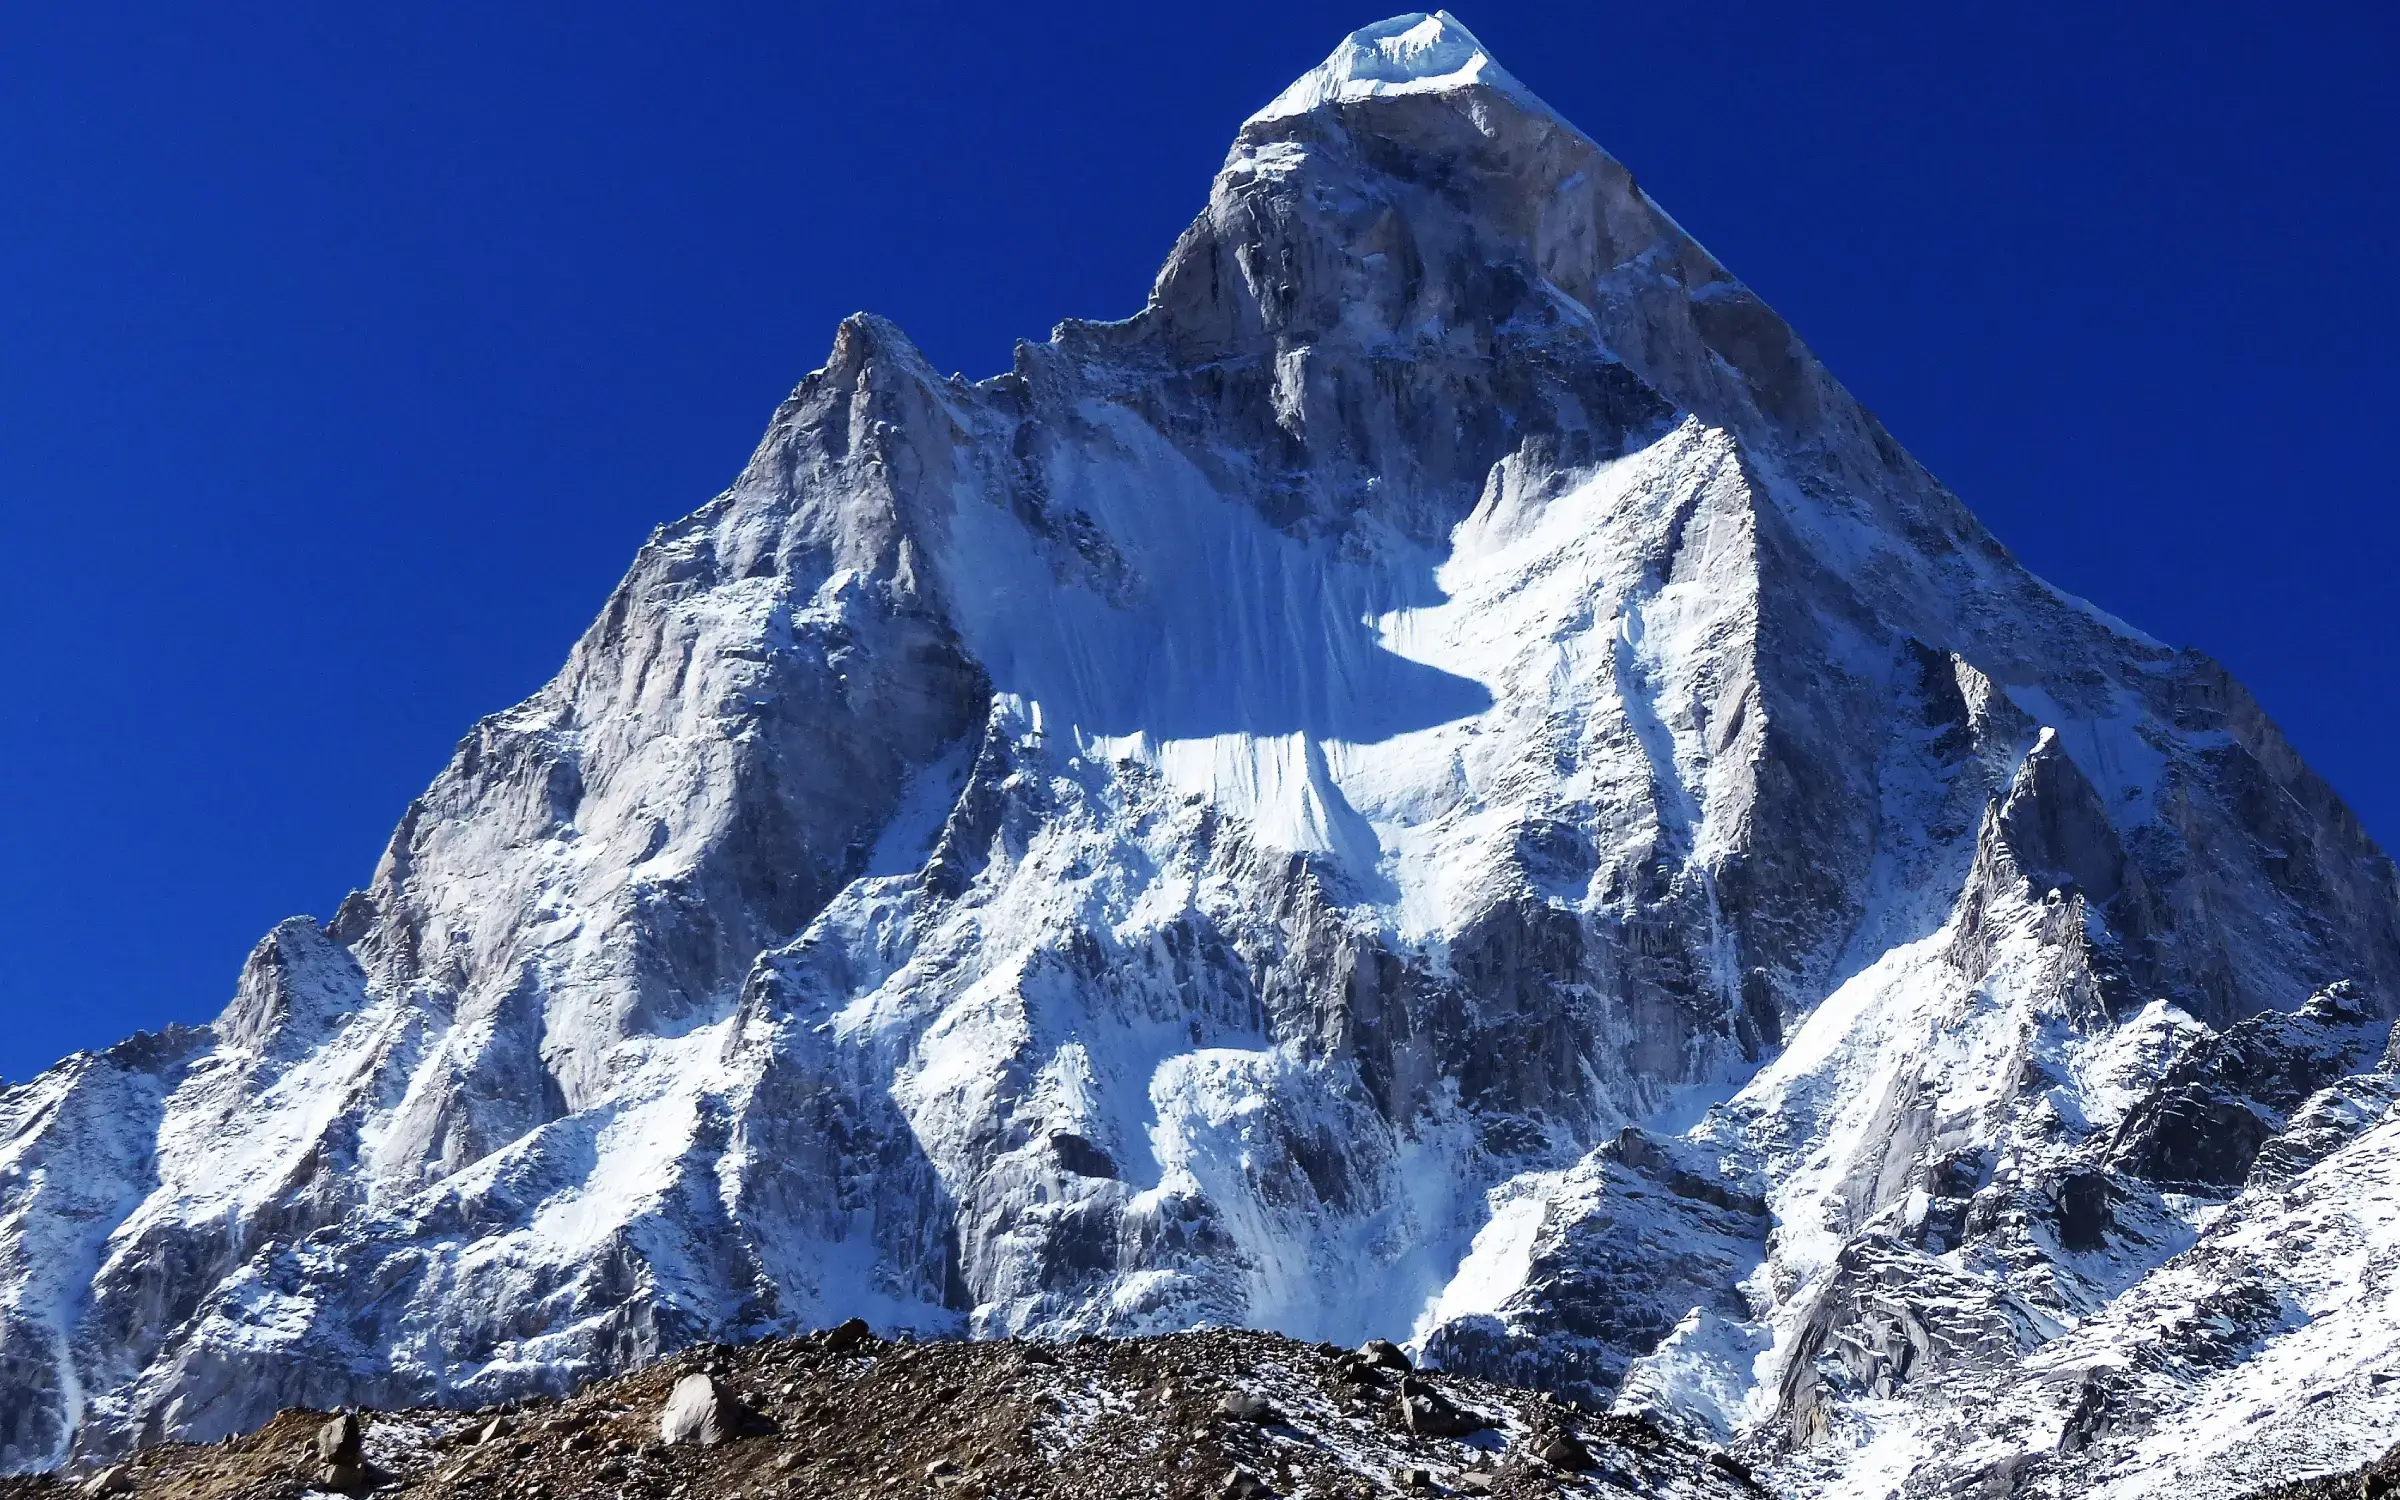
(1443, 780)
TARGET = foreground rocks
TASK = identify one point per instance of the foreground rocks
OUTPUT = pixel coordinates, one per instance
(2370, 1482)
(341, 1453)
(705, 1410)
(1210, 1414)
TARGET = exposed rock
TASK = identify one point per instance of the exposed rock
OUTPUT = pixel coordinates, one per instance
(702, 1409)
(1637, 1235)
(1427, 1412)
(1247, 1406)
(1085, 1426)
(2326, 1121)
(1241, 1484)
(341, 1441)
(847, 1335)
(1230, 820)
(2083, 1213)
(1383, 1354)
(2375, 1480)
(2206, 1121)
(2089, 1417)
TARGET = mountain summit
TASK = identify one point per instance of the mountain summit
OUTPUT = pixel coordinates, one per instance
(1442, 780)
(1409, 54)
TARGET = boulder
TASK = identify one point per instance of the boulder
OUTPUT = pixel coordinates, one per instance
(341, 1440)
(339, 1447)
(1383, 1354)
(1241, 1484)
(1353, 1370)
(1247, 1406)
(848, 1335)
(703, 1410)
(1428, 1413)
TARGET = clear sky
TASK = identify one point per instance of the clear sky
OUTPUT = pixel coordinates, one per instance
(348, 352)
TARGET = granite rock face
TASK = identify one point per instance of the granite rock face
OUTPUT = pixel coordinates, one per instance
(1443, 779)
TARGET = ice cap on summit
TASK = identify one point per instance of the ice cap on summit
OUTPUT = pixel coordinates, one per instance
(1410, 54)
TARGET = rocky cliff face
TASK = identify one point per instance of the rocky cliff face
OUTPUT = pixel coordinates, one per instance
(1443, 778)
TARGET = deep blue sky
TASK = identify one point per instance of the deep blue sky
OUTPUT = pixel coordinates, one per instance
(348, 352)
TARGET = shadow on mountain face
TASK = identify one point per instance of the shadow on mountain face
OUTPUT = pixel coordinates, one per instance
(1145, 601)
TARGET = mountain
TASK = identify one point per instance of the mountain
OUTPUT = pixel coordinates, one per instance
(1443, 779)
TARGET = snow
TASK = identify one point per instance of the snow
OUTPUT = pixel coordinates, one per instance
(908, 840)
(2115, 1070)
(1706, 1374)
(2114, 751)
(1240, 629)
(1826, 1091)
(1367, 701)
(2319, 1392)
(726, 987)
(1496, 1263)
(1410, 54)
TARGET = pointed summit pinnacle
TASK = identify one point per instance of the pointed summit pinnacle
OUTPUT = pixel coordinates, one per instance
(1411, 54)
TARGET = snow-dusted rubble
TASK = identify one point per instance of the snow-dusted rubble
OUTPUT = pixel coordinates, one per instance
(1442, 778)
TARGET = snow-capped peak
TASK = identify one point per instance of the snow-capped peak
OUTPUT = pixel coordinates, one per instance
(1444, 776)
(1410, 54)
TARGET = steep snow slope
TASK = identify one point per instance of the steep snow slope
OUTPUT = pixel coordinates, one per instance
(1443, 776)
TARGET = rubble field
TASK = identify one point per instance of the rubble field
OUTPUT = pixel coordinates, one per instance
(841, 1413)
